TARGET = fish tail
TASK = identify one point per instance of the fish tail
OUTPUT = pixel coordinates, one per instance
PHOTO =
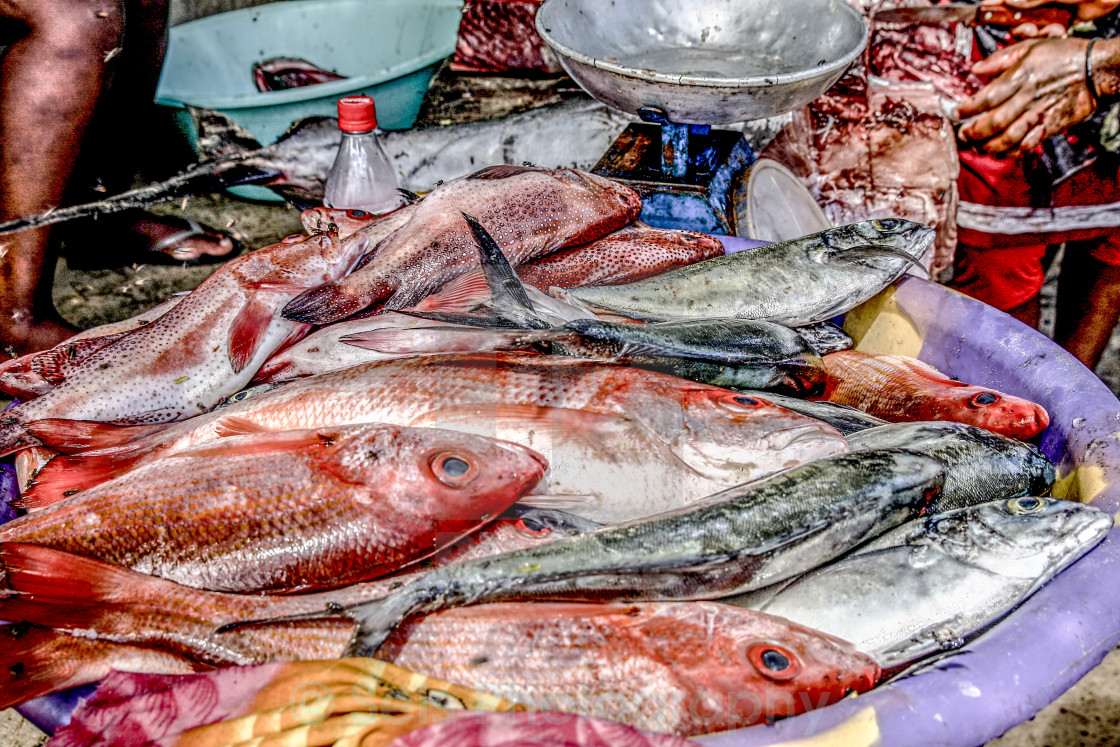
(324, 304)
(377, 619)
(15, 436)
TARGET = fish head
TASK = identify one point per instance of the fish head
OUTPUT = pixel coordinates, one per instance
(320, 219)
(751, 666)
(309, 261)
(887, 246)
(1000, 413)
(1027, 538)
(725, 433)
(456, 480)
(615, 193)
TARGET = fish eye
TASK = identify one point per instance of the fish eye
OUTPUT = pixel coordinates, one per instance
(242, 395)
(886, 224)
(1025, 505)
(774, 662)
(357, 214)
(531, 527)
(742, 402)
(983, 398)
(453, 470)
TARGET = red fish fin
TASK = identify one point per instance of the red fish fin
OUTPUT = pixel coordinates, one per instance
(49, 574)
(324, 304)
(387, 341)
(38, 661)
(15, 436)
(72, 436)
(460, 295)
(257, 443)
(248, 332)
(926, 371)
(501, 171)
(237, 427)
(64, 476)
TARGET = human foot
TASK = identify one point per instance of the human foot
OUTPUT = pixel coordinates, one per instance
(137, 237)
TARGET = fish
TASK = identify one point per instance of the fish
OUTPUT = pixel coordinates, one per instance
(685, 668)
(572, 134)
(949, 575)
(843, 418)
(283, 512)
(740, 539)
(899, 388)
(38, 661)
(115, 604)
(629, 254)
(533, 211)
(980, 466)
(609, 468)
(283, 73)
(797, 282)
(205, 348)
(721, 352)
(35, 374)
(708, 427)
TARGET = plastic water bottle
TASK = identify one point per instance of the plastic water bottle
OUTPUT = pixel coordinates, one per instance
(362, 177)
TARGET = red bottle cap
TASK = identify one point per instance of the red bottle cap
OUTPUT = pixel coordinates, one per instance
(356, 114)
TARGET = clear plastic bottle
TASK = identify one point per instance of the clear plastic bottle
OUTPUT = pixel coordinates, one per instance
(362, 177)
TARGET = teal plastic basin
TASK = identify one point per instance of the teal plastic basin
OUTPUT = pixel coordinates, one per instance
(387, 49)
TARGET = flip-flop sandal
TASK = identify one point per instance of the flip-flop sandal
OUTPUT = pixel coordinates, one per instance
(155, 253)
(193, 229)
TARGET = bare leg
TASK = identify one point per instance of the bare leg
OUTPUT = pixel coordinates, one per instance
(1088, 304)
(50, 80)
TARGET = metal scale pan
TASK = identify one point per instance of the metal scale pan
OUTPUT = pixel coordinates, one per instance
(684, 65)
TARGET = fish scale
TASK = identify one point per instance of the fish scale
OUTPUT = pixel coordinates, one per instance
(311, 509)
(528, 211)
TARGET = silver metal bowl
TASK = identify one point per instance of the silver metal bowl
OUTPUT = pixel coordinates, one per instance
(704, 61)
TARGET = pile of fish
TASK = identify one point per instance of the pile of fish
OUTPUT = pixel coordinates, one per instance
(509, 437)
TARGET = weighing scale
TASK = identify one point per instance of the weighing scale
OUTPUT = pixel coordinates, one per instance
(682, 66)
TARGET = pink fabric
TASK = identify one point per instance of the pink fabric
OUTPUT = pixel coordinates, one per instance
(534, 729)
(129, 710)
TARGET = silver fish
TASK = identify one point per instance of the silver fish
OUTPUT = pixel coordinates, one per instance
(740, 539)
(980, 465)
(929, 584)
(794, 282)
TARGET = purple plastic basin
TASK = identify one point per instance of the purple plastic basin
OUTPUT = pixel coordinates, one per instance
(1020, 665)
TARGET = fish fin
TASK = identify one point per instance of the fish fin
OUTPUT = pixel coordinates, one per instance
(237, 427)
(410, 198)
(14, 436)
(926, 371)
(31, 658)
(507, 294)
(65, 476)
(72, 436)
(462, 294)
(51, 575)
(323, 304)
(271, 442)
(248, 332)
(560, 502)
(501, 171)
(462, 320)
(388, 341)
(219, 136)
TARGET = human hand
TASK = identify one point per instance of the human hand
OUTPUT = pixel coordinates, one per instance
(1040, 90)
(1087, 10)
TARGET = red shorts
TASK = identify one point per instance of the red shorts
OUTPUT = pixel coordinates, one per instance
(1002, 240)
